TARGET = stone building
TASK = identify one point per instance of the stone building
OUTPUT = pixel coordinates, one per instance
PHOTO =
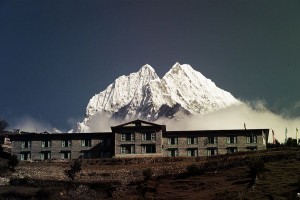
(136, 139)
(44, 146)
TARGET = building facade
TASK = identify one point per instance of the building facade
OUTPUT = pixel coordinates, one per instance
(136, 139)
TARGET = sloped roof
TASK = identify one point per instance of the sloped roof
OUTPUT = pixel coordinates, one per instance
(138, 125)
(137, 122)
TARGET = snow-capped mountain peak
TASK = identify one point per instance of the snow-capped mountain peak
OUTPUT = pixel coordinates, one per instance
(147, 68)
(182, 91)
(121, 92)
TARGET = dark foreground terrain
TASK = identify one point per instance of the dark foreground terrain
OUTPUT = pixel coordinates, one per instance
(273, 174)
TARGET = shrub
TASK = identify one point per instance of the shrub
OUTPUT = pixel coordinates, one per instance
(74, 169)
(110, 189)
(3, 170)
(147, 173)
(257, 166)
(13, 162)
(193, 169)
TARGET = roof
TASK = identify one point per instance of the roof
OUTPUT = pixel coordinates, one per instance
(58, 136)
(138, 125)
(228, 132)
(137, 122)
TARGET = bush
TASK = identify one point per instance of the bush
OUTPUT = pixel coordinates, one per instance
(193, 169)
(74, 169)
(110, 189)
(257, 166)
(147, 173)
(13, 162)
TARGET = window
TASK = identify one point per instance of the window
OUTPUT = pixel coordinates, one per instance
(212, 152)
(65, 155)
(192, 140)
(127, 137)
(46, 143)
(251, 139)
(231, 150)
(231, 140)
(143, 149)
(192, 152)
(26, 144)
(123, 137)
(66, 143)
(211, 140)
(153, 136)
(172, 152)
(45, 155)
(148, 136)
(123, 150)
(25, 156)
(127, 149)
(86, 143)
(173, 141)
(148, 149)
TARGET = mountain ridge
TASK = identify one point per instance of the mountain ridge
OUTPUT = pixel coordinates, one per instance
(181, 91)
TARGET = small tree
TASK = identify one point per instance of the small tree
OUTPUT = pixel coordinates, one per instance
(291, 142)
(274, 145)
(13, 162)
(257, 168)
(3, 125)
(74, 169)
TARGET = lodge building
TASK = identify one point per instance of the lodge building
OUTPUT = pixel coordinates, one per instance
(135, 139)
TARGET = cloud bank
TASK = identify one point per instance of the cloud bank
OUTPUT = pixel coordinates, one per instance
(102, 122)
(29, 124)
(254, 114)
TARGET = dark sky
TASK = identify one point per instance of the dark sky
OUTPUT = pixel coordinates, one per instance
(55, 55)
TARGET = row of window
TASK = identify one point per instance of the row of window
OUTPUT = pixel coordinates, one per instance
(64, 143)
(45, 155)
(130, 149)
(131, 137)
(209, 152)
(193, 152)
(212, 140)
